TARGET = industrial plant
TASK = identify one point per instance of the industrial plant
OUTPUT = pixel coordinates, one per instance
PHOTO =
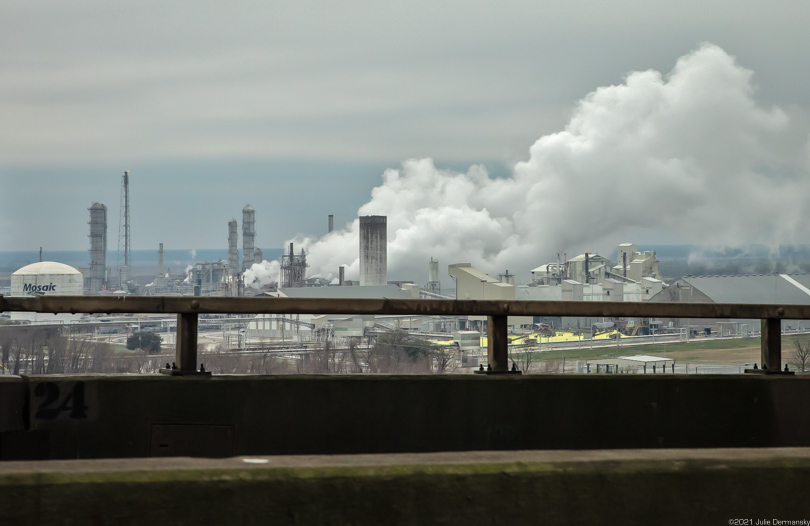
(633, 276)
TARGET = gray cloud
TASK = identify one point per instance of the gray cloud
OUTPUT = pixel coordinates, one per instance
(94, 82)
(198, 98)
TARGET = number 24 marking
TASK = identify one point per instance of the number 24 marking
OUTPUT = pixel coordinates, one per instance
(73, 402)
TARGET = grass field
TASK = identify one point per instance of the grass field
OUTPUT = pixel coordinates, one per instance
(728, 351)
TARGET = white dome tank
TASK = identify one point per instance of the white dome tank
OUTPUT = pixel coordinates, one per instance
(47, 278)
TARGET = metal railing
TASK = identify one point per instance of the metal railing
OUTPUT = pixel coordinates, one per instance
(188, 309)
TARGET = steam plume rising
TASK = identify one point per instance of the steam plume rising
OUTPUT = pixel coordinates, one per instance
(686, 155)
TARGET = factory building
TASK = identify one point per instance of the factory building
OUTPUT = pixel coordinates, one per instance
(474, 284)
(373, 250)
(785, 289)
(632, 267)
(293, 328)
(782, 289)
(608, 290)
(636, 265)
(338, 325)
(248, 236)
(588, 268)
(210, 277)
(584, 268)
(97, 274)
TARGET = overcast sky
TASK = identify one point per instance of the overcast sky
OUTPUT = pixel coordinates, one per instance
(299, 107)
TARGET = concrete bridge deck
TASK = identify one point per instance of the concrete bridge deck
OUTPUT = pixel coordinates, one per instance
(668, 486)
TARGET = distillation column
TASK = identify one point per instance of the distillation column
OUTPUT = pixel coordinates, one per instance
(248, 235)
(98, 247)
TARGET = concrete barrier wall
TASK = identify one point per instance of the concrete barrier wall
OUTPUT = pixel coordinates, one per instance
(630, 487)
(12, 401)
(155, 415)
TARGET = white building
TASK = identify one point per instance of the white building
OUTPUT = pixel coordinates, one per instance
(636, 265)
(474, 284)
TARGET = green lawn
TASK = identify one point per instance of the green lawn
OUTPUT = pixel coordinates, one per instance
(613, 351)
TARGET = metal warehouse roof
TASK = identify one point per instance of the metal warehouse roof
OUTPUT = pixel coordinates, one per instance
(374, 292)
(771, 288)
(540, 293)
(473, 271)
(638, 359)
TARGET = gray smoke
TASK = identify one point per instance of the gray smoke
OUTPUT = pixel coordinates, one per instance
(689, 155)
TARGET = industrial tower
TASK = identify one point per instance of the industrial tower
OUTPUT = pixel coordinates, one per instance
(97, 276)
(293, 269)
(433, 284)
(124, 232)
(233, 248)
(248, 236)
(373, 250)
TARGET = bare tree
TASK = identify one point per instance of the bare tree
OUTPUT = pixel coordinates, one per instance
(801, 355)
(400, 353)
(523, 360)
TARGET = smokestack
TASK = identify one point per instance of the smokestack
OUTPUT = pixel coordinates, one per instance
(565, 264)
(331, 223)
(341, 275)
(587, 273)
(258, 256)
(624, 263)
(507, 278)
(373, 250)
(248, 235)
(233, 248)
(559, 270)
(160, 260)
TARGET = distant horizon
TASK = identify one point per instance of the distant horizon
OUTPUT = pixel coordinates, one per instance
(676, 260)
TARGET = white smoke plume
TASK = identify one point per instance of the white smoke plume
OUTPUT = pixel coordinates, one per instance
(188, 273)
(264, 273)
(691, 154)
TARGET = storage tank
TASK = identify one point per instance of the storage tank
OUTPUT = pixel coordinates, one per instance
(433, 284)
(373, 250)
(47, 278)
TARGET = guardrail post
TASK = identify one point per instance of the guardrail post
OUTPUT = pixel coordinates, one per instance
(771, 344)
(497, 343)
(186, 353)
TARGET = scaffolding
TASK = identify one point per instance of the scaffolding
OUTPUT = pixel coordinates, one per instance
(293, 269)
